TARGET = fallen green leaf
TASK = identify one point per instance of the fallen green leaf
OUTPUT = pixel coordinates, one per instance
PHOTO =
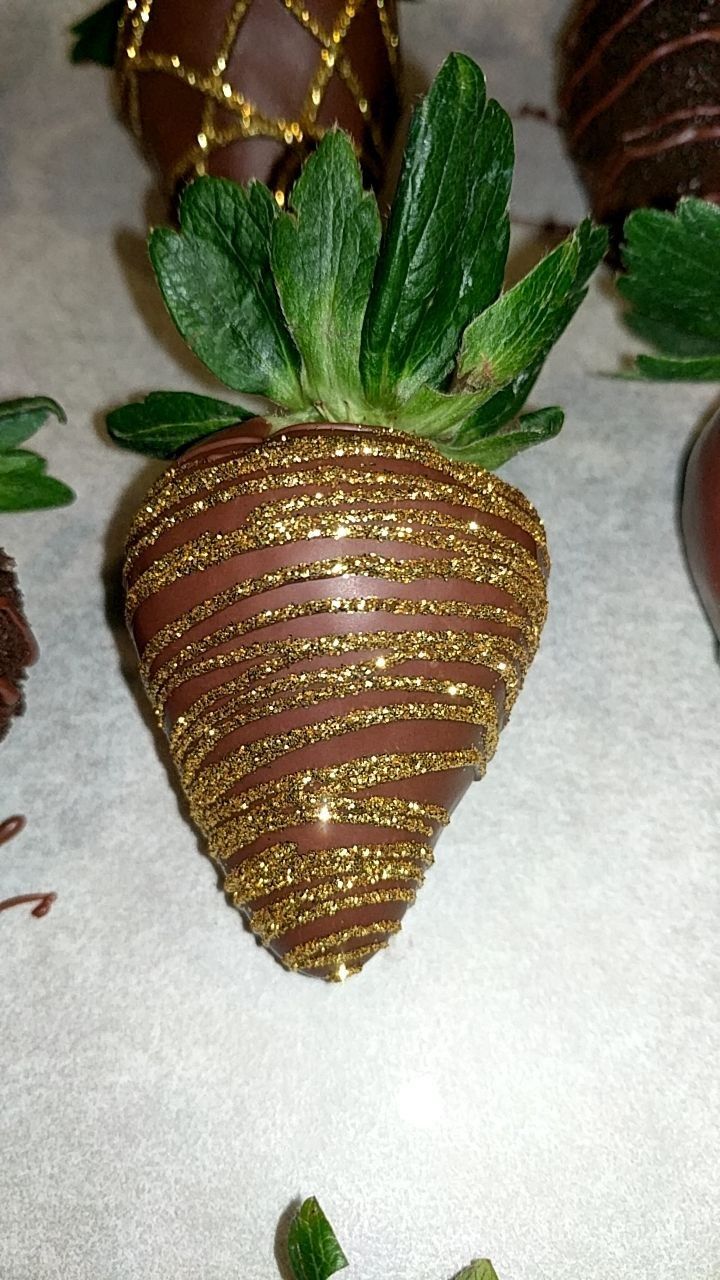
(313, 1248)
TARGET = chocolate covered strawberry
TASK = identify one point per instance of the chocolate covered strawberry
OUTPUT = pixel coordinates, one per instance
(335, 605)
(672, 283)
(245, 88)
(640, 102)
(24, 486)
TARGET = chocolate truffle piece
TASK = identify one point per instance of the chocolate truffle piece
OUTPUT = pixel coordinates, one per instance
(244, 88)
(701, 518)
(640, 102)
(18, 649)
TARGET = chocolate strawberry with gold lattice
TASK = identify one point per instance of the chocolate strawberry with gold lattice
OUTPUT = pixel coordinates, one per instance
(334, 606)
(245, 88)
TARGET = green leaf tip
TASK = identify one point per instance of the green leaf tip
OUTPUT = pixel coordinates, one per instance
(313, 1248)
(24, 486)
(482, 1270)
(166, 422)
(316, 309)
(96, 36)
(672, 288)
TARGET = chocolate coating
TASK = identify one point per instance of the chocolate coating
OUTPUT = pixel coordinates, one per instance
(701, 518)
(332, 626)
(18, 649)
(640, 102)
(243, 88)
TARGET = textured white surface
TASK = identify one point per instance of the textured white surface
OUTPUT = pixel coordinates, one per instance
(532, 1071)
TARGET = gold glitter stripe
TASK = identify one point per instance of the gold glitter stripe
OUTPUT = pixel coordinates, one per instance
(533, 601)
(377, 490)
(290, 519)
(360, 774)
(500, 654)
(164, 509)
(346, 962)
(280, 453)
(432, 532)
(368, 606)
(214, 727)
(535, 607)
(231, 834)
(391, 36)
(215, 779)
(320, 951)
(282, 867)
(270, 923)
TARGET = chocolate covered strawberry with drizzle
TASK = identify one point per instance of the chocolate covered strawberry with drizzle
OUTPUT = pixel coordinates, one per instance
(640, 102)
(335, 605)
(24, 486)
(246, 88)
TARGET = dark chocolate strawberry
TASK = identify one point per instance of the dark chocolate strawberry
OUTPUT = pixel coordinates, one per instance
(24, 486)
(640, 102)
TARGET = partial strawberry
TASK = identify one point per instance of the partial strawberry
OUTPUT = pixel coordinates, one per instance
(673, 288)
(639, 98)
(335, 605)
(246, 90)
(24, 486)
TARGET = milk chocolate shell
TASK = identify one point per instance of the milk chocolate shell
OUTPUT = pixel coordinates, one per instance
(640, 102)
(332, 626)
(18, 649)
(243, 88)
(701, 518)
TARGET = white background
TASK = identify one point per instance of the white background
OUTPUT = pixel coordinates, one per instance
(531, 1072)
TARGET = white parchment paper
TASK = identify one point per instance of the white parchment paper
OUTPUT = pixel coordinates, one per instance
(531, 1072)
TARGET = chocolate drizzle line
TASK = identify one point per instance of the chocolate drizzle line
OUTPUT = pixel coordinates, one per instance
(655, 55)
(44, 901)
(8, 829)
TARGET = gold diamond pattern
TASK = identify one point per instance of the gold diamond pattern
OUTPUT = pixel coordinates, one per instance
(219, 91)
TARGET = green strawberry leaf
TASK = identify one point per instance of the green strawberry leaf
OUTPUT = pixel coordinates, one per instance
(699, 369)
(501, 408)
(96, 36)
(438, 415)
(323, 256)
(313, 1248)
(673, 285)
(20, 419)
(492, 451)
(24, 485)
(216, 281)
(166, 422)
(482, 1270)
(443, 254)
(522, 326)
